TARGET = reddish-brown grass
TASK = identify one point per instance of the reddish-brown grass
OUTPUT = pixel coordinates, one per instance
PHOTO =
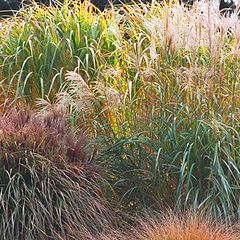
(184, 227)
(188, 226)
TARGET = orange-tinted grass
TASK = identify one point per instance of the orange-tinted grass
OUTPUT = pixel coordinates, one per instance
(188, 226)
(170, 226)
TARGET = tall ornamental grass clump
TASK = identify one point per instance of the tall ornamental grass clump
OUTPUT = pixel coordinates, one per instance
(167, 112)
(184, 163)
(48, 181)
(175, 138)
(40, 44)
(175, 58)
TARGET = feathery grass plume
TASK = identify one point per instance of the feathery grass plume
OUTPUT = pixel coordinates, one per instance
(77, 99)
(167, 41)
(110, 96)
(80, 93)
(109, 102)
(48, 179)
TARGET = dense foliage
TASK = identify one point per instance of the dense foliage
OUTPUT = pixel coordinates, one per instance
(157, 90)
(48, 181)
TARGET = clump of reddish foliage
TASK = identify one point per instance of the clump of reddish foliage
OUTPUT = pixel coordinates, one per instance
(49, 136)
(172, 226)
(188, 226)
(49, 181)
